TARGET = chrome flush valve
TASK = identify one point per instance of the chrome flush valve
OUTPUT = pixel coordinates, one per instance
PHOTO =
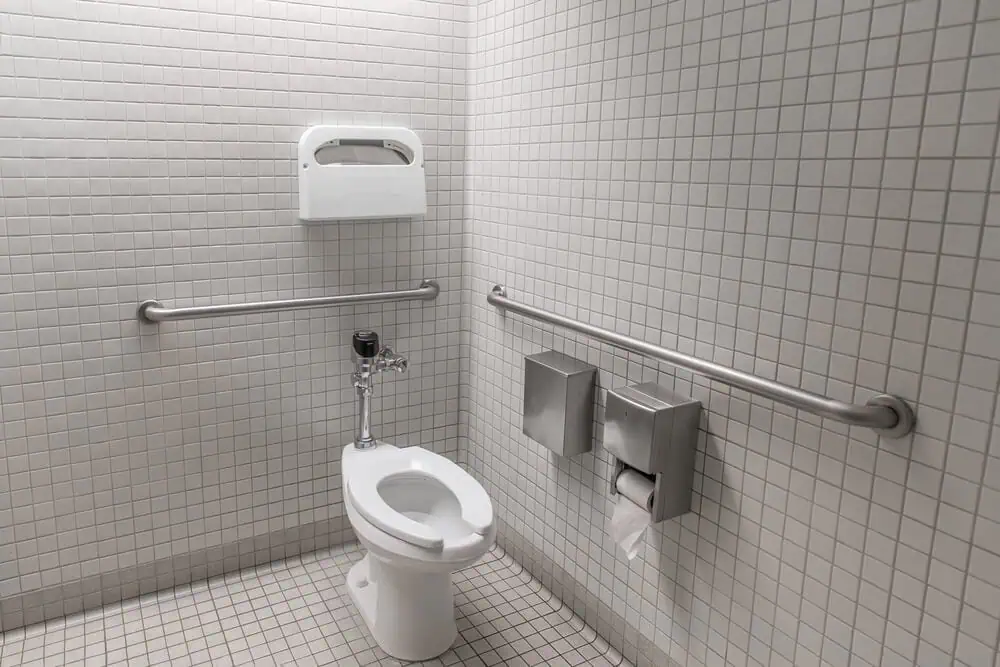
(370, 360)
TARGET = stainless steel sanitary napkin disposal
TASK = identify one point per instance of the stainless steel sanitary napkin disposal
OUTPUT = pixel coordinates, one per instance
(559, 402)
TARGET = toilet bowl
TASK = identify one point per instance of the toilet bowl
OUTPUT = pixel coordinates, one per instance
(421, 518)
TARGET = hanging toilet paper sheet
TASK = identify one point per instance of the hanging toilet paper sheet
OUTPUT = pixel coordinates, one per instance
(631, 517)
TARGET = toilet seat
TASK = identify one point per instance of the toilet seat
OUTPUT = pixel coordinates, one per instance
(415, 464)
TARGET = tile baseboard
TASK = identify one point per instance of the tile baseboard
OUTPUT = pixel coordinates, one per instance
(87, 593)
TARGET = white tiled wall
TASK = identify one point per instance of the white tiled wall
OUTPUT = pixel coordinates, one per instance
(146, 151)
(804, 190)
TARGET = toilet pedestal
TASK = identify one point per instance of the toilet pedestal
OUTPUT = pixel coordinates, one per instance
(411, 614)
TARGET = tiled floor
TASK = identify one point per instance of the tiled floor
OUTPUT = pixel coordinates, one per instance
(297, 612)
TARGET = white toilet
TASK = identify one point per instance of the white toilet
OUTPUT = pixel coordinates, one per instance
(420, 517)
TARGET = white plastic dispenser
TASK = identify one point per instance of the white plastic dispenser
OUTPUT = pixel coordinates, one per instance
(356, 173)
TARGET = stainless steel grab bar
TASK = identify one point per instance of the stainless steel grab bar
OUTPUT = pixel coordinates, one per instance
(153, 311)
(890, 415)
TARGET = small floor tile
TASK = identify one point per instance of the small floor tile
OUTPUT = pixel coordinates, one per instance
(298, 612)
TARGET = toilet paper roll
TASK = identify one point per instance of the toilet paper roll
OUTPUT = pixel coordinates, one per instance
(636, 487)
(631, 517)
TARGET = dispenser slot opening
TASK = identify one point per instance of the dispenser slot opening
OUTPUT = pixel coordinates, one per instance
(363, 152)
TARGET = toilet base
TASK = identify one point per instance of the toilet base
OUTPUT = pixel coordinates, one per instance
(410, 614)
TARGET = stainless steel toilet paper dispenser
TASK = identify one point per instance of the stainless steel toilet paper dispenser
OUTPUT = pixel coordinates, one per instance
(654, 431)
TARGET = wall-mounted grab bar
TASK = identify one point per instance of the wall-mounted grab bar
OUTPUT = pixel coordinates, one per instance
(154, 311)
(890, 415)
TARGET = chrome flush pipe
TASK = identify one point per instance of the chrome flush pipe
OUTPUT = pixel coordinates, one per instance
(369, 361)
